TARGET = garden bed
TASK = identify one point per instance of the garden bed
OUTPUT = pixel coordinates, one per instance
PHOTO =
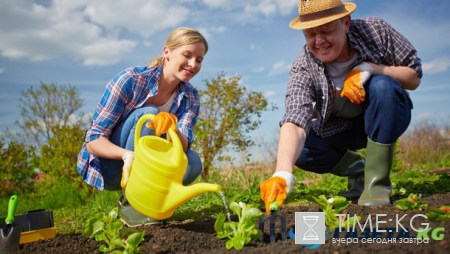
(199, 236)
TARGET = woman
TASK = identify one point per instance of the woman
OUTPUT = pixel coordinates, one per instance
(162, 88)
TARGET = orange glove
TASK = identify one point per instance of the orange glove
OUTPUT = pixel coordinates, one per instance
(162, 122)
(353, 87)
(276, 188)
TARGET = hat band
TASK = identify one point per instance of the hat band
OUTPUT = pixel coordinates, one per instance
(322, 14)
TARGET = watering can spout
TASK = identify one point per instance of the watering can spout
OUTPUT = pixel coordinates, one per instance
(179, 194)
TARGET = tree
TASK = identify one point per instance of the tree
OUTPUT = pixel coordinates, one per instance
(228, 113)
(45, 108)
(17, 165)
(58, 160)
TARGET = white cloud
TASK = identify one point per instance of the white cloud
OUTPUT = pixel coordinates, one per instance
(2, 70)
(270, 7)
(143, 17)
(84, 30)
(436, 65)
(266, 7)
(219, 29)
(147, 43)
(287, 6)
(105, 52)
(258, 70)
(269, 93)
(218, 3)
(280, 67)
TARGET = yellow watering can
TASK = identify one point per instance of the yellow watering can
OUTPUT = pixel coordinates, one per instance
(155, 186)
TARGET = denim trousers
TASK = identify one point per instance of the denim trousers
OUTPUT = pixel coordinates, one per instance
(123, 136)
(386, 116)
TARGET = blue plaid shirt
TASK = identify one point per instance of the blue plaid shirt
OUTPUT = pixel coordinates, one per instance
(124, 93)
(311, 92)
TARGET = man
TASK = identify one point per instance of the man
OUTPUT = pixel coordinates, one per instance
(345, 92)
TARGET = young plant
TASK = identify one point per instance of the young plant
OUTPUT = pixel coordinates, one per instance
(109, 229)
(331, 207)
(440, 214)
(412, 202)
(242, 232)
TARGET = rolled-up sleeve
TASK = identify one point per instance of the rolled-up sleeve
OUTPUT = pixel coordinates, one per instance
(299, 98)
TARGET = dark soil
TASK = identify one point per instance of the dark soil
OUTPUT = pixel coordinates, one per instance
(199, 236)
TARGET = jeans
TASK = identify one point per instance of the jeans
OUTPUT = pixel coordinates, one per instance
(386, 116)
(123, 136)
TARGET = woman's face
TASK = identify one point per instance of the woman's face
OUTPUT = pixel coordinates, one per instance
(184, 62)
(328, 42)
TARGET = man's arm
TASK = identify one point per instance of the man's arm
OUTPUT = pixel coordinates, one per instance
(290, 145)
(406, 76)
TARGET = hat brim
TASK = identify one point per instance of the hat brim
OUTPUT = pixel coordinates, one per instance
(297, 24)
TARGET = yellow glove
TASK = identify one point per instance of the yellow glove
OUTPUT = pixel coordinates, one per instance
(127, 158)
(162, 122)
(353, 87)
(276, 188)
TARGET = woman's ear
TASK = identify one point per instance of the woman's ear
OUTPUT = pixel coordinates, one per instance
(166, 52)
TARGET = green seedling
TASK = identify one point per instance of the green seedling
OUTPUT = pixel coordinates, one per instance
(332, 207)
(440, 214)
(242, 232)
(109, 229)
(412, 202)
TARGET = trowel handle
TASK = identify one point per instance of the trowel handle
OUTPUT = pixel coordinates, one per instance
(11, 209)
(274, 207)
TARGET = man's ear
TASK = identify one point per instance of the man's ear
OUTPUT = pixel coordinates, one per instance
(347, 21)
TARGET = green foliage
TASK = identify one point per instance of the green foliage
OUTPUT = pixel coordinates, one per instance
(229, 112)
(59, 155)
(418, 181)
(17, 164)
(45, 108)
(331, 207)
(412, 202)
(109, 229)
(242, 232)
(440, 214)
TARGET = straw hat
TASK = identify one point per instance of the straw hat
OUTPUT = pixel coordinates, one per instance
(313, 13)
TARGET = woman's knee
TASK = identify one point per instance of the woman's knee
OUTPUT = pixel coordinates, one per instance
(144, 110)
(194, 167)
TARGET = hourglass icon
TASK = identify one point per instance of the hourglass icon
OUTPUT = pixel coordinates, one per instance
(310, 221)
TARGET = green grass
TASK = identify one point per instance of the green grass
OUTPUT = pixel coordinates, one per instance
(72, 206)
(71, 214)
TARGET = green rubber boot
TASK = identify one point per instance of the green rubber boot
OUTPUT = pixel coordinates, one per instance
(377, 184)
(131, 217)
(351, 166)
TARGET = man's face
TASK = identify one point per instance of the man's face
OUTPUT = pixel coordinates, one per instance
(327, 42)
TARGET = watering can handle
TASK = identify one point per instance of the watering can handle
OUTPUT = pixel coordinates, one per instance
(172, 134)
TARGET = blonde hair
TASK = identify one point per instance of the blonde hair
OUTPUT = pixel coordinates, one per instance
(177, 38)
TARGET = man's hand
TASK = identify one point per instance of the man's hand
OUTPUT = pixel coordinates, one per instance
(353, 87)
(127, 158)
(276, 188)
(162, 122)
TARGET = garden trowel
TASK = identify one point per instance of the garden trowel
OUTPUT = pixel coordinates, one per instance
(272, 217)
(10, 233)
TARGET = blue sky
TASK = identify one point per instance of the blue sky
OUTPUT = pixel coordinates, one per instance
(85, 43)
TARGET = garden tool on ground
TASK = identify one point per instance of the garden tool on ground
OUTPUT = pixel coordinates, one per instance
(10, 233)
(352, 166)
(377, 184)
(272, 217)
